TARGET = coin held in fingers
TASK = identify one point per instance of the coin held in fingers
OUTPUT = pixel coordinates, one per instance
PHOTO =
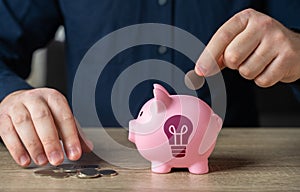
(193, 81)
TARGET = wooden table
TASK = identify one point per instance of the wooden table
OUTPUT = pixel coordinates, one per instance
(252, 159)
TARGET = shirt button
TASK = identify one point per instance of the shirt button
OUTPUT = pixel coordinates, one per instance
(162, 50)
(162, 2)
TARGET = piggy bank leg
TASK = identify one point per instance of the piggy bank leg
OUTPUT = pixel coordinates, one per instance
(200, 167)
(158, 167)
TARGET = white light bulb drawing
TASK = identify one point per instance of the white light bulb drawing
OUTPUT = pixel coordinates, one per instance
(178, 130)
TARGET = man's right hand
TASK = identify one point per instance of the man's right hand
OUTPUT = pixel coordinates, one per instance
(32, 122)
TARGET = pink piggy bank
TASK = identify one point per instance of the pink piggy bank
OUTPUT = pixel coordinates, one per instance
(177, 131)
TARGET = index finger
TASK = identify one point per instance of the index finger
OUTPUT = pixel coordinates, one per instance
(209, 62)
(65, 123)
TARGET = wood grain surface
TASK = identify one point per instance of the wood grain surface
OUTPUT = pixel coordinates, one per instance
(247, 159)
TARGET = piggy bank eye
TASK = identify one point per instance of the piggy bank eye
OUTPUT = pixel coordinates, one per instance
(141, 113)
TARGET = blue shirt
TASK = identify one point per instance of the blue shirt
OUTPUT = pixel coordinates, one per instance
(26, 25)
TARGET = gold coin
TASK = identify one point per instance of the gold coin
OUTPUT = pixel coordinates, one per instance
(88, 173)
(67, 168)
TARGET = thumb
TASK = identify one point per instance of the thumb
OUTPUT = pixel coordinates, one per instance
(207, 66)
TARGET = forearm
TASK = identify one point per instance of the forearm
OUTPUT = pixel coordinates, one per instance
(25, 26)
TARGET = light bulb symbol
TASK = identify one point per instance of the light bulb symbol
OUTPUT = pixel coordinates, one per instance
(178, 129)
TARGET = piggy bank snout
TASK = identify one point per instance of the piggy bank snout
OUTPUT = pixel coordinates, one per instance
(131, 134)
(131, 137)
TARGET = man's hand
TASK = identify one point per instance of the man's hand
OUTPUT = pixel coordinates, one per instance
(256, 45)
(32, 122)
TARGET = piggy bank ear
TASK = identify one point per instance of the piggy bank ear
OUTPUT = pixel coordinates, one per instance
(162, 96)
(159, 87)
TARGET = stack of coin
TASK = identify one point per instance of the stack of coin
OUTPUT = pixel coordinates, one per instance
(80, 171)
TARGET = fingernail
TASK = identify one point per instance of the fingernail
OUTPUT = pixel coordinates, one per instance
(24, 160)
(55, 157)
(200, 70)
(41, 159)
(73, 152)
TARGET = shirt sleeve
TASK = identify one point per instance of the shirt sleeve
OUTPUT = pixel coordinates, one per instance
(287, 12)
(26, 25)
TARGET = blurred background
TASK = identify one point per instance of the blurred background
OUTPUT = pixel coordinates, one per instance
(277, 105)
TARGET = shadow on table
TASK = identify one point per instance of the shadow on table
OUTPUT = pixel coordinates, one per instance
(217, 164)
